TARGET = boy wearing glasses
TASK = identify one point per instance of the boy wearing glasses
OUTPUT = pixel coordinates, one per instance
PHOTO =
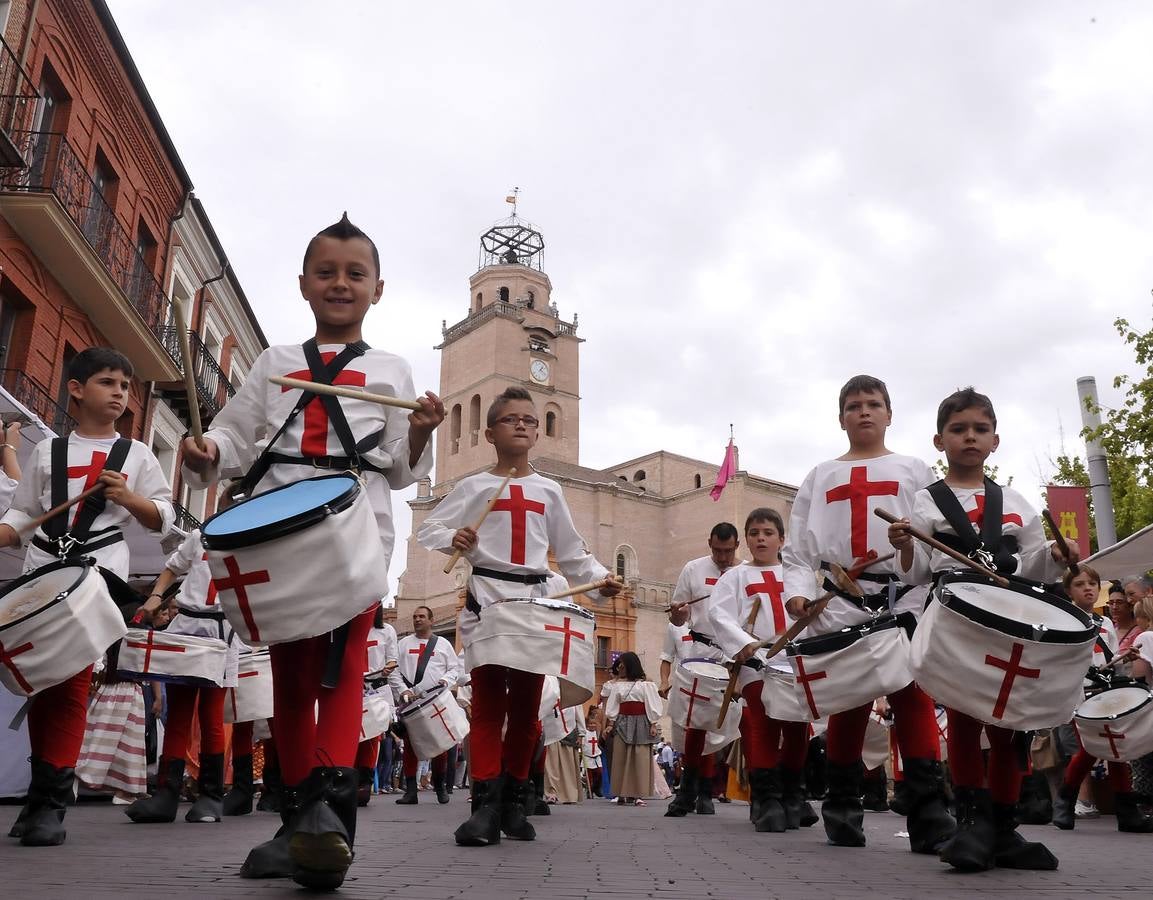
(509, 557)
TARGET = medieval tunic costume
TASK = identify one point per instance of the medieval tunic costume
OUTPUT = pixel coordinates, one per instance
(632, 708)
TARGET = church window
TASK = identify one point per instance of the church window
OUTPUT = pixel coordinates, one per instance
(479, 301)
(531, 302)
(639, 476)
(626, 561)
(474, 420)
(550, 424)
(538, 344)
(620, 565)
(696, 481)
(454, 430)
(602, 652)
(504, 295)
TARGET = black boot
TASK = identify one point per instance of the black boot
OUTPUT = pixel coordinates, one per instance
(364, 786)
(271, 859)
(816, 779)
(765, 785)
(1036, 803)
(209, 806)
(438, 785)
(1063, 807)
(1011, 849)
(17, 829)
(1129, 817)
(704, 805)
(515, 796)
(539, 806)
(842, 811)
(162, 805)
(270, 788)
(409, 797)
(483, 827)
(971, 849)
(875, 797)
(686, 795)
(238, 800)
(900, 803)
(928, 821)
(48, 797)
(798, 811)
(321, 846)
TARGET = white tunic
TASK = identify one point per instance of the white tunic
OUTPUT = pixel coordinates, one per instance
(1108, 634)
(618, 692)
(832, 521)
(197, 594)
(696, 580)
(443, 665)
(678, 641)
(382, 648)
(732, 603)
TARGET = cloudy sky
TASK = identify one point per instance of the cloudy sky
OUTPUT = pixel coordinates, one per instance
(745, 202)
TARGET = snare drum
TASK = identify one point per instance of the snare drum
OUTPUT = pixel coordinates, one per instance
(251, 699)
(848, 668)
(698, 690)
(1117, 724)
(1014, 657)
(297, 561)
(548, 637)
(148, 655)
(54, 622)
(779, 695)
(376, 713)
(434, 723)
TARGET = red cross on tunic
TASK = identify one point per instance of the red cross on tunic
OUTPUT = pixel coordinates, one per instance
(803, 679)
(418, 649)
(232, 692)
(314, 441)
(150, 645)
(857, 491)
(569, 634)
(239, 583)
(593, 746)
(1097, 648)
(693, 697)
(89, 473)
(6, 657)
(518, 509)
(709, 582)
(1113, 737)
(1013, 668)
(774, 588)
(210, 599)
(439, 712)
(561, 715)
(977, 516)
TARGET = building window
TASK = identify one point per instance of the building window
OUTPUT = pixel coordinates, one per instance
(620, 565)
(479, 302)
(639, 476)
(626, 561)
(504, 295)
(550, 424)
(538, 344)
(696, 481)
(454, 430)
(603, 652)
(531, 301)
(474, 420)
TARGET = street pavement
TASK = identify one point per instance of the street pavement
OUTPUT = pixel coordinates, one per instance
(592, 850)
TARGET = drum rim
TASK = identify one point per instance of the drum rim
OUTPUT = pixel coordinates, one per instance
(83, 563)
(420, 702)
(252, 537)
(549, 603)
(713, 661)
(1114, 716)
(845, 637)
(1012, 627)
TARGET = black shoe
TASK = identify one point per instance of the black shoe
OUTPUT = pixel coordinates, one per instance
(765, 787)
(816, 780)
(928, 821)
(900, 804)
(271, 859)
(538, 806)
(270, 789)
(409, 798)
(483, 827)
(17, 829)
(842, 812)
(972, 848)
(162, 805)
(515, 795)
(49, 794)
(209, 805)
(364, 786)
(321, 846)
(1011, 849)
(438, 785)
(238, 800)
(1064, 805)
(798, 812)
(1129, 816)
(875, 796)
(685, 798)
(704, 801)
(1036, 803)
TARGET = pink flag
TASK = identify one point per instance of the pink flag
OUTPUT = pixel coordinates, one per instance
(728, 470)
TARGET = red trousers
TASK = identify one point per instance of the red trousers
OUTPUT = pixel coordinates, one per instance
(1082, 762)
(242, 739)
(499, 692)
(694, 756)
(318, 726)
(967, 762)
(184, 702)
(410, 762)
(366, 753)
(56, 719)
(914, 720)
(761, 735)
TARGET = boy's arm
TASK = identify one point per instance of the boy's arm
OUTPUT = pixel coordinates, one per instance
(575, 561)
(407, 439)
(437, 531)
(724, 614)
(799, 559)
(26, 502)
(914, 558)
(150, 502)
(1035, 549)
(235, 430)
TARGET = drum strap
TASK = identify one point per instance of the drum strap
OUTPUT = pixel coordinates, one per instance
(1101, 640)
(509, 576)
(62, 541)
(704, 639)
(421, 663)
(989, 541)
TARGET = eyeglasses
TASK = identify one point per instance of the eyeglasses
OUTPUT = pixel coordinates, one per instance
(511, 421)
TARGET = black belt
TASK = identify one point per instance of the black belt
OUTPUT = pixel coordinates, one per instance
(200, 613)
(877, 602)
(96, 541)
(509, 576)
(340, 463)
(704, 639)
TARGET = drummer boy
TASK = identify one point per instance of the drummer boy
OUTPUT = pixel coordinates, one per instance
(317, 750)
(509, 554)
(95, 455)
(962, 510)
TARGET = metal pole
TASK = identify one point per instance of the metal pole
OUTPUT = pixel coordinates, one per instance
(1099, 486)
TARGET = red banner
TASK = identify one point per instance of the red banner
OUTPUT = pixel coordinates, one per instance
(1069, 507)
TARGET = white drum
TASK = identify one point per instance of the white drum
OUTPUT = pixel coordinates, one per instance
(875, 750)
(779, 695)
(548, 637)
(433, 723)
(848, 668)
(1117, 724)
(148, 655)
(376, 713)
(251, 699)
(54, 622)
(296, 561)
(697, 692)
(1014, 657)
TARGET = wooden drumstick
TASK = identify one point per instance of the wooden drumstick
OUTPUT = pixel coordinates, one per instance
(457, 554)
(584, 588)
(332, 390)
(943, 548)
(57, 510)
(1062, 544)
(194, 425)
(731, 687)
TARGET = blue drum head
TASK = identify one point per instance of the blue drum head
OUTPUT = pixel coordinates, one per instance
(280, 511)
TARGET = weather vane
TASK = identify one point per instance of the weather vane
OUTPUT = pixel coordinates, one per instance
(511, 198)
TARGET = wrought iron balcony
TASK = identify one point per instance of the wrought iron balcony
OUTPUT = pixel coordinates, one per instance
(185, 521)
(213, 387)
(18, 100)
(32, 394)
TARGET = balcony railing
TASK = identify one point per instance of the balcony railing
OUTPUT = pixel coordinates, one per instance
(32, 394)
(185, 521)
(18, 99)
(212, 385)
(54, 168)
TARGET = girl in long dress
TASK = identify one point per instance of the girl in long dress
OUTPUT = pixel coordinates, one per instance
(632, 709)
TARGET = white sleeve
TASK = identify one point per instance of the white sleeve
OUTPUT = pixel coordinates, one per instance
(724, 613)
(182, 558)
(572, 556)
(26, 502)
(394, 441)
(152, 484)
(1037, 560)
(455, 667)
(669, 650)
(799, 558)
(237, 427)
(437, 531)
(391, 654)
(8, 486)
(683, 590)
(612, 702)
(920, 571)
(654, 706)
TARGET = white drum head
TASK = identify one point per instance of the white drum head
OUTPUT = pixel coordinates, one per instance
(1016, 605)
(1113, 702)
(38, 593)
(704, 669)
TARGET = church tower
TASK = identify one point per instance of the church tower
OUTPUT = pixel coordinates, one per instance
(512, 335)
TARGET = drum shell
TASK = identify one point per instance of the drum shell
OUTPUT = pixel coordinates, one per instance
(875, 663)
(429, 734)
(703, 711)
(251, 699)
(779, 697)
(174, 659)
(519, 634)
(949, 652)
(67, 635)
(875, 750)
(1132, 729)
(376, 713)
(319, 577)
